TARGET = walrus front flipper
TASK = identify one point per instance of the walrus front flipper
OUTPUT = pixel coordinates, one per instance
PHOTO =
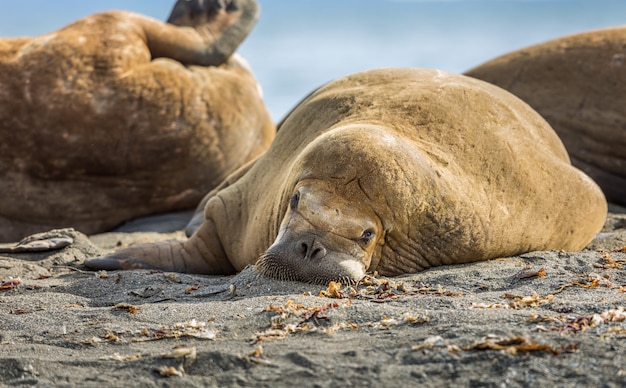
(113, 262)
(164, 255)
(170, 256)
(217, 27)
(201, 254)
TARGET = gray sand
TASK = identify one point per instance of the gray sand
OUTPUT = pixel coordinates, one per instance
(485, 324)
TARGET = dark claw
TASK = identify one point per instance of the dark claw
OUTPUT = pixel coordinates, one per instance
(192, 13)
(112, 263)
(222, 24)
(186, 11)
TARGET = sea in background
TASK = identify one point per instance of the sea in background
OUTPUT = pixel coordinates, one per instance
(299, 45)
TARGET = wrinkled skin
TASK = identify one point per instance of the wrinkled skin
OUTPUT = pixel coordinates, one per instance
(395, 171)
(119, 116)
(577, 83)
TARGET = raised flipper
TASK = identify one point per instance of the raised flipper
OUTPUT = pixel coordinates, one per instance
(201, 32)
(201, 254)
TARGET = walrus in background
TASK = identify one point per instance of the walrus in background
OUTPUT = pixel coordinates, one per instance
(108, 119)
(578, 83)
(395, 171)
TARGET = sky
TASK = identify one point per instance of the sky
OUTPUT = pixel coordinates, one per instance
(298, 45)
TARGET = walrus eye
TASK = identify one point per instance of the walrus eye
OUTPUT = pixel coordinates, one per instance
(367, 236)
(293, 202)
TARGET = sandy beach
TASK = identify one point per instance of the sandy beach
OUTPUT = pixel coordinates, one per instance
(540, 319)
(536, 319)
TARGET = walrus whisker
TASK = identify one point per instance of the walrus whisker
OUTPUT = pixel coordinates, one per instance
(272, 265)
(269, 265)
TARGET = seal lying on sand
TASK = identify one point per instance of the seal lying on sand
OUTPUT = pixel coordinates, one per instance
(101, 123)
(395, 171)
(577, 84)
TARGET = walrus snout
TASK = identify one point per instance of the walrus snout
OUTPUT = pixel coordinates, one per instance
(310, 248)
(308, 258)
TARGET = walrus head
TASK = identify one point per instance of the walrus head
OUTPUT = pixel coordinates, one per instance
(323, 237)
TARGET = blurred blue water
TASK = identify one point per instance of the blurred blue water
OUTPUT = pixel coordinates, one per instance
(300, 44)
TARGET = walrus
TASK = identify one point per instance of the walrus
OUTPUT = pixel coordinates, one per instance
(577, 83)
(119, 116)
(394, 171)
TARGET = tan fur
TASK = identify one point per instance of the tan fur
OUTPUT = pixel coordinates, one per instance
(578, 84)
(443, 168)
(101, 123)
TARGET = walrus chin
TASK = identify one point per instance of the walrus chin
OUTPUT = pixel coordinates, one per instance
(275, 265)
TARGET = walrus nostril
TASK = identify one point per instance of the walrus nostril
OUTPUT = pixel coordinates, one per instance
(318, 252)
(311, 249)
(304, 249)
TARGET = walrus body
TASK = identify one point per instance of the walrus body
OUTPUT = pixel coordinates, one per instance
(101, 122)
(395, 171)
(578, 83)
